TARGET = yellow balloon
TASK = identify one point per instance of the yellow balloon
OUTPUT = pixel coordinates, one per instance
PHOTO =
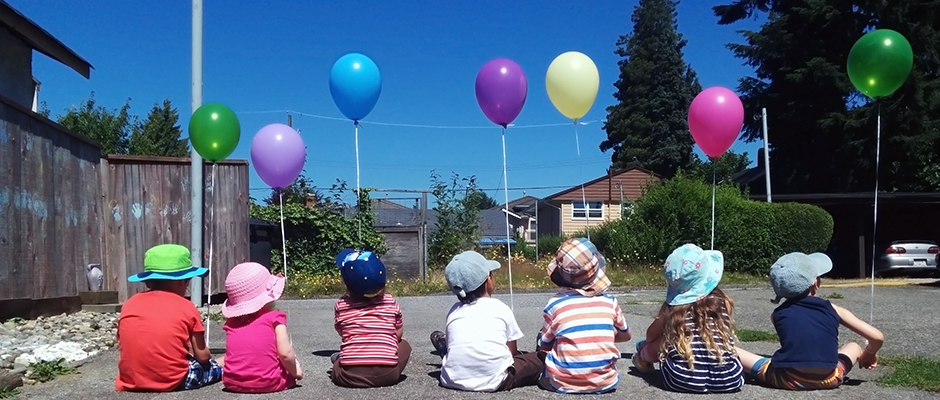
(572, 82)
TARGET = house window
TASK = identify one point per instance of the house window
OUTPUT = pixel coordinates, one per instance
(532, 232)
(594, 210)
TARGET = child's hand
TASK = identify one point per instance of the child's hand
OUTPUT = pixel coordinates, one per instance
(300, 371)
(868, 360)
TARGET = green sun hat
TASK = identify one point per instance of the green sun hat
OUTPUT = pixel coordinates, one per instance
(168, 261)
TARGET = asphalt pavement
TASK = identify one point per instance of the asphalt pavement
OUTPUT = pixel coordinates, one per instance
(908, 315)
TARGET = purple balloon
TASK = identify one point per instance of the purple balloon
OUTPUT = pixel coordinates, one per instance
(501, 90)
(278, 155)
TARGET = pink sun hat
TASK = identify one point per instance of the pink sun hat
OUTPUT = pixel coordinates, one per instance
(250, 287)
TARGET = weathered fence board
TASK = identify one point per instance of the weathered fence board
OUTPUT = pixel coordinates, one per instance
(49, 212)
(149, 203)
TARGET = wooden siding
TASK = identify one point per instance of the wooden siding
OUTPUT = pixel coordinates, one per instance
(570, 226)
(49, 210)
(148, 203)
(633, 182)
(405, 256)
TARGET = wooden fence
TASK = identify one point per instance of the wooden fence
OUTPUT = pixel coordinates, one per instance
(49, 211)
(147, 201)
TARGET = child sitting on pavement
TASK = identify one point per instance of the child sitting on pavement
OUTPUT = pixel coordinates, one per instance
(369, 322)
(479, 347)
(582, 323)
(160, 333)
(809, 357)
(259, 357)
(693, 335)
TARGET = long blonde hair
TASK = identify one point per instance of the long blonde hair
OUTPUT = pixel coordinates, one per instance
(711, 314)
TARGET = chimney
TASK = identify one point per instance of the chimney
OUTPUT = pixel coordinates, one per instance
(311, 200)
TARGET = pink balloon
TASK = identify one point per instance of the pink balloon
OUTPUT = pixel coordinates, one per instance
(715, 120)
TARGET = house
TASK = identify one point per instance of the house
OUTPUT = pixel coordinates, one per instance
(49, 189)
(854, 238)
(592, 203)
(19, 36)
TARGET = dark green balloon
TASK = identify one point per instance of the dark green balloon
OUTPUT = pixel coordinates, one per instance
(880, 62)
(214, 131)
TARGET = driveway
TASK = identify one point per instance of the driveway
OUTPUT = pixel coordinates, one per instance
(908, 315)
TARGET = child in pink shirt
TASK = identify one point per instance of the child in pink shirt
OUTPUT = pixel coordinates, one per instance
(259, 354)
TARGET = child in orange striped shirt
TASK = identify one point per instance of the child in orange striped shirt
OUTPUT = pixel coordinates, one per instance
(582, 324)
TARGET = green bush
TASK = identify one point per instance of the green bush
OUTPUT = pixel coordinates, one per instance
(548, 244)
(315, 235)
(751, 234)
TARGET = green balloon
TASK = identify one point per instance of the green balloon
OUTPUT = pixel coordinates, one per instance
(214, 131)
(880, 62)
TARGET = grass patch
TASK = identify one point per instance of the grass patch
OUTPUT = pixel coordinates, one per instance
(46, 371)
(216, 317)
(526, 275)
(911, 371)
(835, 296)
(9, 393)
(753, 335)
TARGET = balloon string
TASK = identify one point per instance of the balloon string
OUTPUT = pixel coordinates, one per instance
(283, 237)
(713, 204)
(875, 220)
(506, 212)
(587, 222)
(211, 240)
(358, 194)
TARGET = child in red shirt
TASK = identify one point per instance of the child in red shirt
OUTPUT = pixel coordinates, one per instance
(369, 322)
(160, 334)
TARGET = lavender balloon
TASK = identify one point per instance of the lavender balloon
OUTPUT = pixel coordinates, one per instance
(501, 89)
(278, 155)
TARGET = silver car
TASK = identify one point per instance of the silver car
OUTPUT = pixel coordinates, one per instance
(908, 257)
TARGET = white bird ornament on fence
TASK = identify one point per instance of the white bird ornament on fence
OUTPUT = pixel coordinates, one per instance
(95, 277)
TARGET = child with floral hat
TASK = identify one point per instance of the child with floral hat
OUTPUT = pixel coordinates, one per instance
(368, 320)
(259, 357)
(582, 323)
(160, 334)
(693, 336)
(809, 357)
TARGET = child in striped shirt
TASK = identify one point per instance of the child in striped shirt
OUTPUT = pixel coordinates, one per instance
(368, 320)
(693, 336)
(582, 324)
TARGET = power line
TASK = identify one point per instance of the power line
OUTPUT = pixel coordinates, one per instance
(322, 189)
(406, 125)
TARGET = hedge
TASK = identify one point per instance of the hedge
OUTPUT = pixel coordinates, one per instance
(751, 234)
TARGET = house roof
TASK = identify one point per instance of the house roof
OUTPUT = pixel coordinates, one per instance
(748, 176)
(601, 178)
(855, 198)
(41, 40)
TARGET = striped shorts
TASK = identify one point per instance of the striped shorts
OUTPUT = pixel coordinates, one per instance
(788, 378)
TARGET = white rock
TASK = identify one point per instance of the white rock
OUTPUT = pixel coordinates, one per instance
(70, 351)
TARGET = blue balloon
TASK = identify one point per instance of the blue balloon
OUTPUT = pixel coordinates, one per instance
(355, 83)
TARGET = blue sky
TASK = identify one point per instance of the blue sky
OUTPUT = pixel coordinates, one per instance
(277, 57)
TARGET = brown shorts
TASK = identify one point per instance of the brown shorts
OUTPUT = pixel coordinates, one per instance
(525, 371)
(366, 376)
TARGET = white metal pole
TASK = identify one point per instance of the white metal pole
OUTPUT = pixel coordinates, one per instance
(196, 178)
(766, 156)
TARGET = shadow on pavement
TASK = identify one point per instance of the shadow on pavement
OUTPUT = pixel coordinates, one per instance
(324, 353)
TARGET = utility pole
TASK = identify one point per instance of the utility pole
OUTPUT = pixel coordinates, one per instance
(766, 156)
(196, 177)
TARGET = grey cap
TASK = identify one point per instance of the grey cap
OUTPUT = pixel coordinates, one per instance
(467, 271)
(794, 273)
